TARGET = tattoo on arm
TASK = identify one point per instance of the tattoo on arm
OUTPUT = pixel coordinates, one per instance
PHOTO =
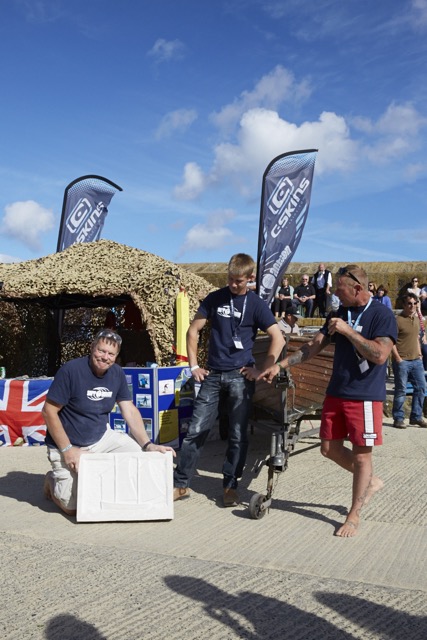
(372, 350)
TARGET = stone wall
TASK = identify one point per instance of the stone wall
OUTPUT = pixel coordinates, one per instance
(395, 276)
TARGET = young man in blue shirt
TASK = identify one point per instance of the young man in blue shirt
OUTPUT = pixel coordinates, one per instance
(235, 315)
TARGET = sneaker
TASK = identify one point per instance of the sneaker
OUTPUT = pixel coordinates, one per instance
(399, 424)
(181, 492)
(231, 498)
(418, 423)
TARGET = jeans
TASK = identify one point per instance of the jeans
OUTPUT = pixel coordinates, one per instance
(237, 393)
(412, 371)
(307, 306)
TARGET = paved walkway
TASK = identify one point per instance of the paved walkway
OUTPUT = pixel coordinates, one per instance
(214, 573)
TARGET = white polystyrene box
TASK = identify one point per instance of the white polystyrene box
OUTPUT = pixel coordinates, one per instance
(125, 486)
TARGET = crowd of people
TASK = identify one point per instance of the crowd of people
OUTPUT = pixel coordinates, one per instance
(365, 329)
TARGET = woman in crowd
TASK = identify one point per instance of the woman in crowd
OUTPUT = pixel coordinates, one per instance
(372, 288)
(414, 288)
(282, 298)
(382, 296)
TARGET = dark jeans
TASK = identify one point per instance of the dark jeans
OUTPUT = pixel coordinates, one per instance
(237, 392)
(320, 303)
(413, 371)
(307, 306)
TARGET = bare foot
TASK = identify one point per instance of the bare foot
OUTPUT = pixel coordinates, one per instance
(348, 529)
(375, 485)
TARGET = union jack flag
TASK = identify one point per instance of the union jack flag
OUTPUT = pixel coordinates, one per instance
(21, 402)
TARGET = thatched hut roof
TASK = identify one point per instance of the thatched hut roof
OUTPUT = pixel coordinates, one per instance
(97, 273)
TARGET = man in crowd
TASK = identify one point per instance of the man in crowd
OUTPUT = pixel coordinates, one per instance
(322, 283)
(289, 324)
(364, 332)
(83, 393)
(408, 365)
(235, 315)
(304, 295)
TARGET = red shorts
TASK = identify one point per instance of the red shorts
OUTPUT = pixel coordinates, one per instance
(358, 420)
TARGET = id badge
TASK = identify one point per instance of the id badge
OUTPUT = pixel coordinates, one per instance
(237, 343)
(363, 366)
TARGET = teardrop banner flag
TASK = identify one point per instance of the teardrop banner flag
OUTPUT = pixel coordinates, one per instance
(84, 209)
(285, 199)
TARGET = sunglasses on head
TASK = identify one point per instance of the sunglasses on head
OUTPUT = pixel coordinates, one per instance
(343, 271)
(108, 335)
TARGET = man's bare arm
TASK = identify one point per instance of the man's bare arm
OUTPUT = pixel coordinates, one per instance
(193, 333)
(306, 352)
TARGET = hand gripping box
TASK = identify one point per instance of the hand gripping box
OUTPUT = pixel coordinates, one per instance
(125, 486)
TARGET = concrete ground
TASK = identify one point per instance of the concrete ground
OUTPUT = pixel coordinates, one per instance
(215, 573)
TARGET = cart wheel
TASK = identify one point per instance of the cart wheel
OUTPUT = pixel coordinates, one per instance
(255, 506)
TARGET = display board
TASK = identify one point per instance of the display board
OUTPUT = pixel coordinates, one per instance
(164, 397)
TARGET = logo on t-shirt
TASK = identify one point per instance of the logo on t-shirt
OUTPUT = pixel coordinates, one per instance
(225, 312)
(98, 393)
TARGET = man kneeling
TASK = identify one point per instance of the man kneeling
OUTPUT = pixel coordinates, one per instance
(83, 393)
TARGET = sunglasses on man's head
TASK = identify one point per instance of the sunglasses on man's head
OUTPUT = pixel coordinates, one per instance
(109, 335)
(342, 271)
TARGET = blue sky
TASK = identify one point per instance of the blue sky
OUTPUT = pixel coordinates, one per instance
(183, 103)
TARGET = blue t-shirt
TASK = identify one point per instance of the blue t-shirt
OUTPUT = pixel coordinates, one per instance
(347, 381)
(223, 354)
(86, 400)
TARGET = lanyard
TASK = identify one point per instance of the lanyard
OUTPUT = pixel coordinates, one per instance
(235, 327)
(357, 321)
(362, 362)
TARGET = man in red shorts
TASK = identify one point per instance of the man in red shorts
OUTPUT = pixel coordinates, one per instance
(364, 332)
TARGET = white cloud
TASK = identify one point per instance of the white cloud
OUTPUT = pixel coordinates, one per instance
(164, 50)
(178, 120)
(194, 183)
(211, 235)
(395, 133)
(27, 221)
(401, 119)
(270, 92)
(262, 136)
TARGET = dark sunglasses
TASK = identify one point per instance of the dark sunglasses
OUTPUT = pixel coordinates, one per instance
(108, 335)
(342, 271)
